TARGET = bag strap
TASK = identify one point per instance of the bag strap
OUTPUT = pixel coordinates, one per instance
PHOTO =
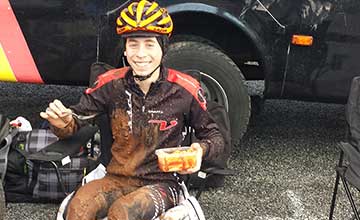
(4, 127)
(4, 150)
(4, 158)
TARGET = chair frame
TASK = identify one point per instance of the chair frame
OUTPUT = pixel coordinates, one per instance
(353, 126)
(340, 175)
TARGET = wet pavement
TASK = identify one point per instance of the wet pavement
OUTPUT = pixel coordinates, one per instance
(285, 161)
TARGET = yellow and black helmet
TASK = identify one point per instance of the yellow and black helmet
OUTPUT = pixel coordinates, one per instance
(144, 17)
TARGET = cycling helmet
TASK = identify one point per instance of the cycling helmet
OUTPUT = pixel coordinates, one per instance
(144, 18)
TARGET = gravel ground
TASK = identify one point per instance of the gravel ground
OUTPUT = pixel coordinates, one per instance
(286, 159)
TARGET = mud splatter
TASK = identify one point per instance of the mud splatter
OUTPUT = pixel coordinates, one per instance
(62, 133)
(95, 198)
(130, 149)
(145, 203)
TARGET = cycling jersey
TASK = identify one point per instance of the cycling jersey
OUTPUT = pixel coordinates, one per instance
(142, 123)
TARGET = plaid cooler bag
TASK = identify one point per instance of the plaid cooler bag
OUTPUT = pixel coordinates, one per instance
(37, 175)
(48, 185)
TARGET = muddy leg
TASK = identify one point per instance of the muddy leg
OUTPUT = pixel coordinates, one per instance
(145, 203)
(94, 199)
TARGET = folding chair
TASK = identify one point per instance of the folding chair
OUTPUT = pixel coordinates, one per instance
(348, 168)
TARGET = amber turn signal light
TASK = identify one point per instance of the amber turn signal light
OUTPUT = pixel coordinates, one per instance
(302, 40)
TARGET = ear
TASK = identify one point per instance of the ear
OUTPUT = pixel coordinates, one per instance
(124, 53)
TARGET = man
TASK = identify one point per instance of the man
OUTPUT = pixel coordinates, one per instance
(146, 104)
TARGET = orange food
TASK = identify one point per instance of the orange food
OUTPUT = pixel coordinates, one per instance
(178, 160)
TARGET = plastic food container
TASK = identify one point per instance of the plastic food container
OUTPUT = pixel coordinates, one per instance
(176, 159)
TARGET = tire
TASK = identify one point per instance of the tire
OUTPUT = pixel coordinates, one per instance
(221, 79)
(2, 202)
(193, 38)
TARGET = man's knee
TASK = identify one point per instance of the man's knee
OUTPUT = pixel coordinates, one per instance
(86, 203)
(118, 211)
(134, 206)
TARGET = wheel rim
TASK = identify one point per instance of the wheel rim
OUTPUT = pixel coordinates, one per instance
(213, 90)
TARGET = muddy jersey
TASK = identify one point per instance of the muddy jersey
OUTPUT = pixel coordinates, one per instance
(143, 123)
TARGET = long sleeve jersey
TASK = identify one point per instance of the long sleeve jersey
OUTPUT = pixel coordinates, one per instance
(141, 123)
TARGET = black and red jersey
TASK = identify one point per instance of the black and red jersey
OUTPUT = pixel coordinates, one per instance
(143, 123)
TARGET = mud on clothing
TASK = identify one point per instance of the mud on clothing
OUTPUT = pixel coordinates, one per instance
(141, 123)
(114, 198)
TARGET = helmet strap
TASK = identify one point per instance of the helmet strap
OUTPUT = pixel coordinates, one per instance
(142, 78)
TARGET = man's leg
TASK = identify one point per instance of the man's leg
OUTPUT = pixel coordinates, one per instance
(146, 203)
(94, 198)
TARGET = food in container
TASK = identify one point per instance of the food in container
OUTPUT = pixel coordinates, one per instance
(176, 159)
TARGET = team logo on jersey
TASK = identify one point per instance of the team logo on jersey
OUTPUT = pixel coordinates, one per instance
(155, 112)
(164, 125)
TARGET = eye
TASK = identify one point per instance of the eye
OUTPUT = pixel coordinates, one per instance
(150, 45)
(132, 45)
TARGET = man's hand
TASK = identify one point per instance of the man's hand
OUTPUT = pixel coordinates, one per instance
(199, 153)
(57, 114)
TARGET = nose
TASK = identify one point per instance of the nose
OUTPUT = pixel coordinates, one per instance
(141, 51)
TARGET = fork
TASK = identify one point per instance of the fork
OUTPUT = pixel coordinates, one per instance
(80, 117)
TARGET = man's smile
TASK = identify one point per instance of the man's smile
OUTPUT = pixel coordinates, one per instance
(142, 63)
